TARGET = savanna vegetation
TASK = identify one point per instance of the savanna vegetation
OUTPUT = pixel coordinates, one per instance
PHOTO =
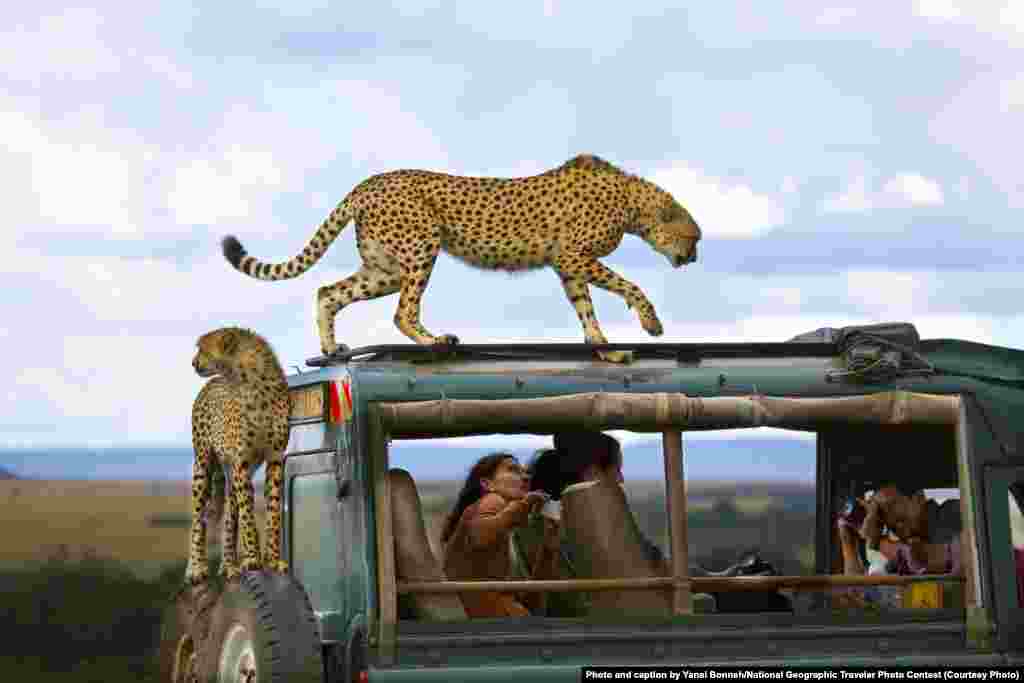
(89, 566)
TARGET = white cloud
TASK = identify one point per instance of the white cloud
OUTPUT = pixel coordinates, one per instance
(79, 173)
(835, 16)
(83, 45)
(89, 384)
(938, 9)
(888, 294)
(67, 45)
(914, 188)
(899, 191)
(208, 191)
(1011, 94)
(1005, 18)
(722, 209)
(853, 199)
(67, 396)
(982, 122)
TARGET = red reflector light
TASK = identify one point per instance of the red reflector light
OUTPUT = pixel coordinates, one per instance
(364, 677)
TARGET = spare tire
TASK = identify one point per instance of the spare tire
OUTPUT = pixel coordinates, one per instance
(183, 628)
(262, 630)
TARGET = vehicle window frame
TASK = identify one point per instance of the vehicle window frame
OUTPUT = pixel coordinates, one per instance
(386, 613)
(1000, 480)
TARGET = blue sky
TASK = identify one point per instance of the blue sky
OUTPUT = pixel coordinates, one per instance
(847, 164)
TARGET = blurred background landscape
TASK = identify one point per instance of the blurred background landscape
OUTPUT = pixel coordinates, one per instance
(87, 564)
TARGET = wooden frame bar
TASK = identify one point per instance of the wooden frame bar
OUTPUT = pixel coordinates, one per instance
(387, 579)
(665, 413)
(675, 501)
(699, 584)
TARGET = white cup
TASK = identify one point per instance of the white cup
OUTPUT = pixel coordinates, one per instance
(552, 510)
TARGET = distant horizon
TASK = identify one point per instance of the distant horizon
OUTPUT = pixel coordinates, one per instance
(746, 459)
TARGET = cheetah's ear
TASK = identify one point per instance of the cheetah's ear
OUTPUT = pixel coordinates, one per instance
(229, 342)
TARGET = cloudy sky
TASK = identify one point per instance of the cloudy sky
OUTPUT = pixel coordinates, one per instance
(847, 165)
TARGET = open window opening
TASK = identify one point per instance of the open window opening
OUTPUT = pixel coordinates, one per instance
(855, 448)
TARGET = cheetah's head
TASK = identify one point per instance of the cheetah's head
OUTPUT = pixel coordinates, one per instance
(216, 352)
(674, 234)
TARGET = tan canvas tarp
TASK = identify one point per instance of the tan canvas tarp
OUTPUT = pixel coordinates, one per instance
(656, 412)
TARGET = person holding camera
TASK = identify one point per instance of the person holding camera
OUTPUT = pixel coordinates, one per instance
(911, 533)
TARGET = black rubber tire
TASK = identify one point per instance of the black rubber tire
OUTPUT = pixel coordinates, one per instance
(271, 614)
(185, 624)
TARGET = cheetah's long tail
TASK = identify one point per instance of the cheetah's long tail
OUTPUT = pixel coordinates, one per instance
(235, 253)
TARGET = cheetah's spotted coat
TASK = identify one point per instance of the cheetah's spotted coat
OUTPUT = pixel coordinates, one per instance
(239, 421)
(566, 218)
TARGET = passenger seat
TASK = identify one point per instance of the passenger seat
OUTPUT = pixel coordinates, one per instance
(414, 561)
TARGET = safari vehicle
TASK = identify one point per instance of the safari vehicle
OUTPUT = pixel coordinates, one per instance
(882, 404)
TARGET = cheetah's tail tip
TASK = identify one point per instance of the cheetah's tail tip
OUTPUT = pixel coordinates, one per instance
(234, 252)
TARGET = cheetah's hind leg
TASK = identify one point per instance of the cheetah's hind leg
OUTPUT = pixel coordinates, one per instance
(366, 283)
(229, 527)
(241, 483)
(272, 493)
(198, 570)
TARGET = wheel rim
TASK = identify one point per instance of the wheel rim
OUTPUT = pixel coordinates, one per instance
(237, 658)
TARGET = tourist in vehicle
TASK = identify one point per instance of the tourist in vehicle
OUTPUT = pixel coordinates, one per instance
(494, 500)
(578, 456)
(881, 562)
(927, 534)
(911, 533)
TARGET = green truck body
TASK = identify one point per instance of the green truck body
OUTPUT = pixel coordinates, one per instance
(338, 451)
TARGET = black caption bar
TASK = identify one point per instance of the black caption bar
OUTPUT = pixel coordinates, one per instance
(596, 674)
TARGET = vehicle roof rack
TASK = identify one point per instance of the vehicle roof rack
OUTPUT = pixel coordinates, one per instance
(682, 353)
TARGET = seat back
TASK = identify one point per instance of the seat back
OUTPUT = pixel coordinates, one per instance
(414, 561)
(606, 544)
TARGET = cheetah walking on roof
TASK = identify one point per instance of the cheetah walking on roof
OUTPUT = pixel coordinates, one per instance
(565, 218)
(239, 421)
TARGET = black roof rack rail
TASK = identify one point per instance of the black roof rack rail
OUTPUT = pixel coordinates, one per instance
(683, 353)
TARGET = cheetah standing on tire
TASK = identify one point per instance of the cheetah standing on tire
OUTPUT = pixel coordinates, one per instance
(566, 218)
(239, 421)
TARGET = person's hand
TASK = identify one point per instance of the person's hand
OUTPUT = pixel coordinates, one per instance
(535, 499)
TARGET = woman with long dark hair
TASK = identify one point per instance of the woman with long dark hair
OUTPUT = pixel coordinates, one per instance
(494, 500)
(578, 456)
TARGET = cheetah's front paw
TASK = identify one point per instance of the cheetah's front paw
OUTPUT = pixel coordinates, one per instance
(445, 340)
(616, 356)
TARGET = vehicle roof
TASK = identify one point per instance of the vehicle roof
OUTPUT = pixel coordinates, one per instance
(993, 375)
(949, 357)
